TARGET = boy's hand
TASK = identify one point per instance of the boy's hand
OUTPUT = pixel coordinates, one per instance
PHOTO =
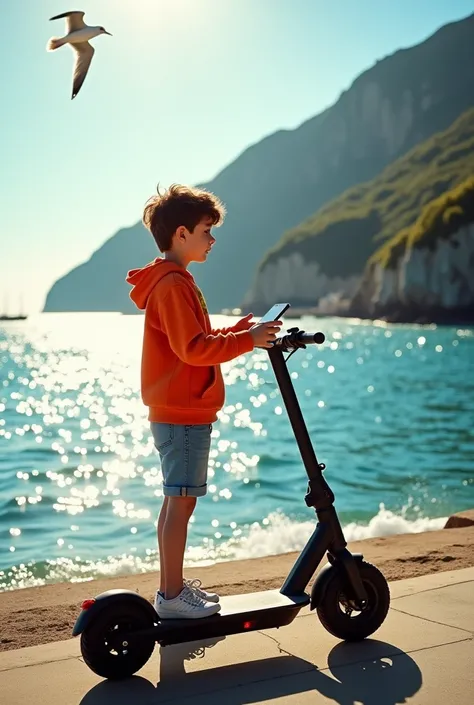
(264, 334)
(244, 323)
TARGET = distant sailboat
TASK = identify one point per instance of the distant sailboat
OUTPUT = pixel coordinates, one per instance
(15, 317)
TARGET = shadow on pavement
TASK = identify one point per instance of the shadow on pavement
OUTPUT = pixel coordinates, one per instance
(370, 672)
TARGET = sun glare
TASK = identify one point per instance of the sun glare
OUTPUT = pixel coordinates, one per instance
(158, 12)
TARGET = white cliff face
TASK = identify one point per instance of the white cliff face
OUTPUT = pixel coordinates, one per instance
(438, 277)
(292, 278)
(383, 120)
(370, 116)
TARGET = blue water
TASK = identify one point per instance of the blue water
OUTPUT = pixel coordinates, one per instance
(390, 410)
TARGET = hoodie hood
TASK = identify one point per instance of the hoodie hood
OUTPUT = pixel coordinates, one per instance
(144, 279)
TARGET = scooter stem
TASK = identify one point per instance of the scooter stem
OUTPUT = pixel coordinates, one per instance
(320, 495)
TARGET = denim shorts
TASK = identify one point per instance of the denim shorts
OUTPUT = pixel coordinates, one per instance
(184, 453)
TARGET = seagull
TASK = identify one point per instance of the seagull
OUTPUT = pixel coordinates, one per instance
(77, 36)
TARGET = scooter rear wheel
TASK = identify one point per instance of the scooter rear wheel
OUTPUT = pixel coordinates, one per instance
(341, 617)
(106, 653)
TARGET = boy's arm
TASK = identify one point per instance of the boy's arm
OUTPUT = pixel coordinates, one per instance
(187, 338)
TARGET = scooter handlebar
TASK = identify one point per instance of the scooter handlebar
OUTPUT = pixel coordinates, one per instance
(296, 338)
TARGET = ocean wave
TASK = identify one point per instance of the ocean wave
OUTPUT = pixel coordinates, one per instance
(279, 534)
(276, 534)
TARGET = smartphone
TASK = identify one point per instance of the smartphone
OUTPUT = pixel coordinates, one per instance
(274, 313)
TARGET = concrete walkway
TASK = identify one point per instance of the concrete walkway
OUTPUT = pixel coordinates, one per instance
(423, 655)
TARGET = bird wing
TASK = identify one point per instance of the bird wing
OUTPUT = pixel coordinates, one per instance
(74, 20)
(84, 53)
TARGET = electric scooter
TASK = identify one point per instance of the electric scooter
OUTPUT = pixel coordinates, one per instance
(119, 628)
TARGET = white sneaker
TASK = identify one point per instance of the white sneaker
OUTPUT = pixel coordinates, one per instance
(186, 605)
(195, 586)
(158, 596)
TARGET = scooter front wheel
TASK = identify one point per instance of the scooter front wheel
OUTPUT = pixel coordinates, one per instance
(341, 617)
(106, 652)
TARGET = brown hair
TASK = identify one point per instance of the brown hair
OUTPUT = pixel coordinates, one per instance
(180, 205)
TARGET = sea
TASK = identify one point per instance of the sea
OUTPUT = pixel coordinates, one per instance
(389, 408)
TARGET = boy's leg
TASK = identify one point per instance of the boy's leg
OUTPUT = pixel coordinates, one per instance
(159, 531)
(174, 535)
(184, 452)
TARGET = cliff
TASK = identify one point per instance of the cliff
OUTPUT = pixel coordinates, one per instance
(323, 258)
(279, 182)
(426, 272)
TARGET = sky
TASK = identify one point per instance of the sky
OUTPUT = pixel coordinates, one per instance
(176, 94)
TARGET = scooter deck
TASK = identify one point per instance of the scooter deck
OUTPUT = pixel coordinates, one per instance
(239, 613)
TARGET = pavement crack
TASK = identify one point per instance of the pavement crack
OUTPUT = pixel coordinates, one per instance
(433, 621)
(431, 589)
(36, 663)
(276, 641)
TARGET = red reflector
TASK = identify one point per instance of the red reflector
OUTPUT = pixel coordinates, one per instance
(248, 625)
(87, 603)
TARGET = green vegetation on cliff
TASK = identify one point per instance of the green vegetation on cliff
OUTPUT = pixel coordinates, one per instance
(346, 232)
(440, 218)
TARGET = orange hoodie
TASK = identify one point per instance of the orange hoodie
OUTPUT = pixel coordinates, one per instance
(181, 379)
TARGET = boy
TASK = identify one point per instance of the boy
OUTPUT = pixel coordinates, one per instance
(181, 380)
